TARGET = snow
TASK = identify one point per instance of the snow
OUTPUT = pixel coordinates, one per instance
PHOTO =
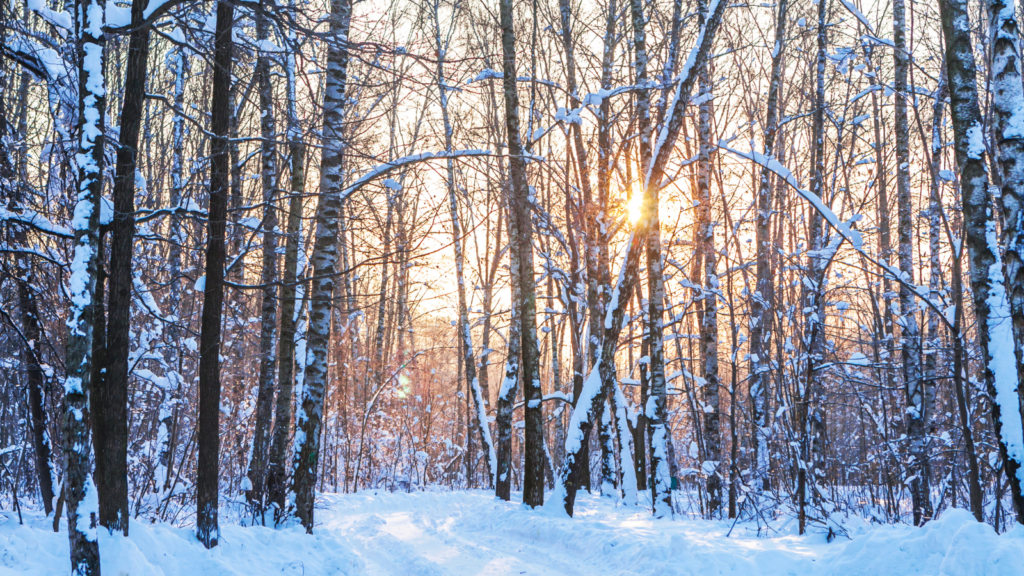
(457, 533)
(153, 6)
(60, 19)
(117, 16)
(268, 47)
(106, 211)
(858, 359)
(1002, 359)
(36, 220)
(857, 14)
(486, 74)
(568, 116)
(844, 228)
(382, 169)
(975, 141)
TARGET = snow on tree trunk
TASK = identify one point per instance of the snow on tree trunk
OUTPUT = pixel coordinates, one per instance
(764, 296)
(623, 417)
(257, 474)
(520, 212)
(606, 435)
(1008, 116)
(291, 295)
(510, 382)
(173, 356)
(913, 383)
(79, 490)
(994, 325)
(655, 409)
(324, 260)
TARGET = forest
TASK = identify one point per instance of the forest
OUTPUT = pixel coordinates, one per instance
(751, 263)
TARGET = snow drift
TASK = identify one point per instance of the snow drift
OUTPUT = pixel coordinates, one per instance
(438, 533)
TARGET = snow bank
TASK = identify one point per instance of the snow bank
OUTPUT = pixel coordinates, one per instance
(163, 550)
(437, 533)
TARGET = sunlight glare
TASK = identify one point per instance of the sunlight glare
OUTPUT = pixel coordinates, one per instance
(635, 205)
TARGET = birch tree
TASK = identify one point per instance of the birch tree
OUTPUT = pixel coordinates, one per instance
(324, 261)
(80, 494)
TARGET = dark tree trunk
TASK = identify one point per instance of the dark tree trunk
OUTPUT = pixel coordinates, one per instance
(521, 214)
(112, 397)
(207, 484)
(12, 189)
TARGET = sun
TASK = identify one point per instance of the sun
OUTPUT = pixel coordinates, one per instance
(635, 205)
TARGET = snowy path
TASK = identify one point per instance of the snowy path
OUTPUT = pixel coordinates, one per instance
(471, 533)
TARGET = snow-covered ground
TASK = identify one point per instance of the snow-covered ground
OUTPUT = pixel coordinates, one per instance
(435, 533)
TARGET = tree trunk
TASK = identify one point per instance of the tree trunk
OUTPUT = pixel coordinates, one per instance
(811, 420)
(764, 297)
(465, 333)
(655, 408)
(111, 415)
(308, 421)
(521, 213)
(290, 296)
(28, 308)
(79, 490)
(173, 355)
(917, 415)
(257, 496)
(510, 382)
(640, 431)
(709, 328)
(992, 309)
(208, 468)
(1007, 108)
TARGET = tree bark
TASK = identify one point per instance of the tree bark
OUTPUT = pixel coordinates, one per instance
(308, 421)
(111, 416)
(290, 296)
(709, 328)
(761, 302)
(521, 213)
(208, 468)
(811, 416)
(995, 330)
(28, 308)
(257, 496)
(79, 490)
(1007, 109)
(913, 383)
(655, 407)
